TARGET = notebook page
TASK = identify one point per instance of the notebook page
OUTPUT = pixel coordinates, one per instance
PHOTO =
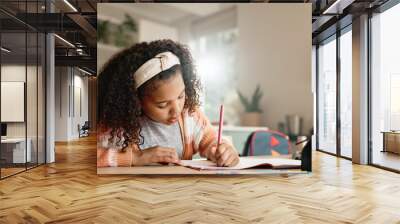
(244, 163)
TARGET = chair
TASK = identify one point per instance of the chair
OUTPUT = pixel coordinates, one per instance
(267, 142)
(84, 130)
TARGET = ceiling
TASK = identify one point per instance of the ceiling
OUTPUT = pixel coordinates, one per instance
(73, 20)
(76, 21)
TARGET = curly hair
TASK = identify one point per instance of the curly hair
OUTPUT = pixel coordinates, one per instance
(119, 106)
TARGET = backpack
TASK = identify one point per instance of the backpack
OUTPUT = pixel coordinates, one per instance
(267, 142)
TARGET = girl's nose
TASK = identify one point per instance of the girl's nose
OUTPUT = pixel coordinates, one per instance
(175, 108)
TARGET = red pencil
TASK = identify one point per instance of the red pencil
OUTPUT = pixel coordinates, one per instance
(221, 122)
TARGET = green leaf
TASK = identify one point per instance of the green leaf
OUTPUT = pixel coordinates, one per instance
(102, 31)
(253, 104)
(129, 23)
(244, 101)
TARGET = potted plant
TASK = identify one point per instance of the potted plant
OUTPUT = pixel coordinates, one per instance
(129, 24)
(125, 33)
(252, 115)
(103, 31)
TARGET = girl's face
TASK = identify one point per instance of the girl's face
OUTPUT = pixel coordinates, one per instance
(165, 103)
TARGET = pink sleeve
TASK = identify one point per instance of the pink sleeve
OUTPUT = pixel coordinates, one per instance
(204, 135)
(109, 154)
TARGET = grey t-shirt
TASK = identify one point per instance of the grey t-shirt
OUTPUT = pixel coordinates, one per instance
(158, 134)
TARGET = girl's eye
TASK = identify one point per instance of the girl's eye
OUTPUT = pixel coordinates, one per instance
(162, 106)
(181, 96)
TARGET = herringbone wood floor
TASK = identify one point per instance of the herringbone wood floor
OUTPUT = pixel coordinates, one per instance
(69, 191)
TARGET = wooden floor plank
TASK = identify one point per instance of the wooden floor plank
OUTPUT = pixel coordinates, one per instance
(70, 191)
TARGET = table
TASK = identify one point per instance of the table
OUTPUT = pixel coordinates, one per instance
(391, 141)
(181, 170)
(13, 150)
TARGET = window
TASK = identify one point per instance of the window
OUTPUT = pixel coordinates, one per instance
(385, 86)
(327, 95)
(346, 93)
(217, 69)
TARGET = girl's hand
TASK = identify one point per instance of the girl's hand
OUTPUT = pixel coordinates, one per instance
(156, 154)
(225, 155)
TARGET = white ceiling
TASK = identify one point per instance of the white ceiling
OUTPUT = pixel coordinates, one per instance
(167, 13)
(199, 9)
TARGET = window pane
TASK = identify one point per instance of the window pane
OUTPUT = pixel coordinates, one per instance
(346, 94)
(327, 96)
(216, 58)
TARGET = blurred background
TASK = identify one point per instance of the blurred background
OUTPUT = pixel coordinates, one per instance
(255, 59)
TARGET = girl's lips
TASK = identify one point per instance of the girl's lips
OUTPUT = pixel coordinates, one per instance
(172, 120)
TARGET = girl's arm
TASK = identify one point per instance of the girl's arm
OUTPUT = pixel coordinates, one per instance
(110, 155)
(156, 154)
(206, 136)
(201, 134)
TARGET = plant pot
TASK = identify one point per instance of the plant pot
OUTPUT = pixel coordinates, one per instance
(251, 119)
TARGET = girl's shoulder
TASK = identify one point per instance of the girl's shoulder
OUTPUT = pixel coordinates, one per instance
(197, 116)
(196, 113)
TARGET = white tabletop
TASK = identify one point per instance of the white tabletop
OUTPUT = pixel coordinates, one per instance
(13, 140)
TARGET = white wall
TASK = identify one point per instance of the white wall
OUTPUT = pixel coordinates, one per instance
(17, 73)
(67, 80)
(149, 31)
(13, 73)
(275, 51)
(80, 118)
(61, 103)
(33, 127)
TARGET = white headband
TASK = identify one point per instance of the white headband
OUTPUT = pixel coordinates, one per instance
(152, 67)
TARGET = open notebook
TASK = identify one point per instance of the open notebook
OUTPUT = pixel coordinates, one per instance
(244, 163)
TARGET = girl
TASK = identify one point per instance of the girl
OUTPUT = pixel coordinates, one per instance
(148, 98)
